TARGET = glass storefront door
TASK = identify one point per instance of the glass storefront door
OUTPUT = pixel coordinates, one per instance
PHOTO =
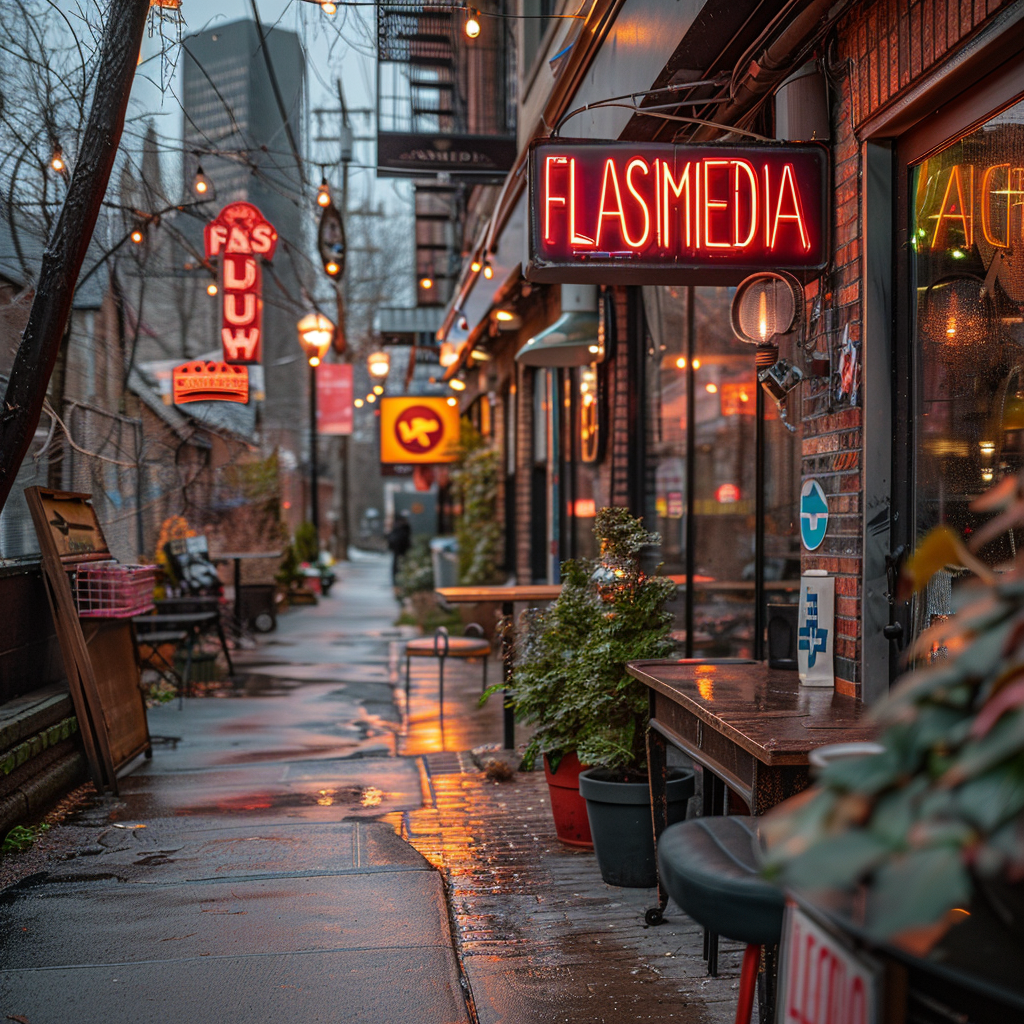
(966, 259)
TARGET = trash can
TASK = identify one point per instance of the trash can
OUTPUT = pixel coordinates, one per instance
(444, 556)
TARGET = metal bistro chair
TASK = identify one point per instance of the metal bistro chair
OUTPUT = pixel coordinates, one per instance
(442, 646)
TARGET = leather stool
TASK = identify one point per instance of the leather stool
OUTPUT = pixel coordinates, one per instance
(710, 867)
(442, 646)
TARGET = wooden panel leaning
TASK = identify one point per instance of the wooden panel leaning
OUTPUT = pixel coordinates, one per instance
(109, 704)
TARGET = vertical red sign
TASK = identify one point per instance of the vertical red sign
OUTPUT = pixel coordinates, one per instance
(241, 236)
(334, 398)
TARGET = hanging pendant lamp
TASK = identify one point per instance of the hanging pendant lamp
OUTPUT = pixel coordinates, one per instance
(573, 339)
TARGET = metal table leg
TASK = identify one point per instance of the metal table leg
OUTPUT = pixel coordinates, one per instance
(657, 774)
(508, 662)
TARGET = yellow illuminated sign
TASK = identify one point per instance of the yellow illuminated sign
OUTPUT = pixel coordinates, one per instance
(415, 429)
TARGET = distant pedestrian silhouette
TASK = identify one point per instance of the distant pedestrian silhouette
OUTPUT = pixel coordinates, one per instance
(399, 540)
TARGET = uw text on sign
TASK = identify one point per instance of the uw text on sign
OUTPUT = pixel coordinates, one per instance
(660, 212)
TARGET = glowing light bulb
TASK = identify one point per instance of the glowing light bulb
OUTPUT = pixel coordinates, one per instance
(681, 363)
(711, 389)
(593, 349)
(211, 289)
(57, 163)
(314, 361)
(426, 283)
(328, 7)
(475, 266)
(504, 316)
(323, 194)
(200, 183)
(358, 403)
(137, 236)
(696, 364)
(453, 401)
(457, 385)
(378, 390)
(762, 315)
(371, 398)
(488, 271)
(332, 268)
(951, 327)
(472, 26)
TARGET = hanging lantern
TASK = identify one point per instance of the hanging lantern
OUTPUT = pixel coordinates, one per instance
(956, 313)
(766, 308)
(315, 334)
(202, 185)
(378, 363)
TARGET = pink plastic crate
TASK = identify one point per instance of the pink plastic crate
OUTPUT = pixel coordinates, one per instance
(109, 590)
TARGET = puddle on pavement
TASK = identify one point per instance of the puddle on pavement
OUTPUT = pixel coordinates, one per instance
(344, 798)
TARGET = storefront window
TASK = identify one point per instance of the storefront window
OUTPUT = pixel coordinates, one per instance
(967, 261)
(691, 350)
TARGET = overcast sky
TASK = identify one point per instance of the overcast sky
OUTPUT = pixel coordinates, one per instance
(336, 46)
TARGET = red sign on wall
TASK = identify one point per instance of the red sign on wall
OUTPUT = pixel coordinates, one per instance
(334, 398)
(240, 236)
(614, 212)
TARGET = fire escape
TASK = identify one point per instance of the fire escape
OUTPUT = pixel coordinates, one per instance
(446, 119)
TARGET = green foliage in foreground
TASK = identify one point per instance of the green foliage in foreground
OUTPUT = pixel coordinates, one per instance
(570, 680)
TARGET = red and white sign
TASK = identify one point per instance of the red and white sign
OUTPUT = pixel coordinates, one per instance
(334, 398)
(240, 236)
(676, 214)
(201, 381)
(820, 980)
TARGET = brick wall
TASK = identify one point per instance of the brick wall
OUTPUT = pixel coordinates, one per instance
(623, 443)
(880, 48)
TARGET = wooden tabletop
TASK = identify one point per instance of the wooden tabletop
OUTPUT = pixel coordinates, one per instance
(222, 556)
(764, 711)
(526, 592)
(176, 619)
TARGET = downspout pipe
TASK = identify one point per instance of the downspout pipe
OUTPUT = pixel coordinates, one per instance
(774, 63)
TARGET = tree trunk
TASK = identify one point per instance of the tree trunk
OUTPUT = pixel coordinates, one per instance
(65, 252)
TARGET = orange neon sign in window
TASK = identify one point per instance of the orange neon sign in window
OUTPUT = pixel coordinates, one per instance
(980, 203)
(239, 237)
(649, 208)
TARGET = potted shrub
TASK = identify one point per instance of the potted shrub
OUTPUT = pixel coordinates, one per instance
(936, 819)
(571, 683)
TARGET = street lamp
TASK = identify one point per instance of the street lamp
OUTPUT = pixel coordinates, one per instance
(315, 335)
(378, 364)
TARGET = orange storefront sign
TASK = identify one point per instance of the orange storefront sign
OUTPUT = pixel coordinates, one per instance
(415, 429)
(202, 381)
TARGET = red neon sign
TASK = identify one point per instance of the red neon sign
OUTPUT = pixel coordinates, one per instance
(240, 236)
(201, 381)
(617, 212)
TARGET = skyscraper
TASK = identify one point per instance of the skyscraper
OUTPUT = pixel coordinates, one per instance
(233, 128)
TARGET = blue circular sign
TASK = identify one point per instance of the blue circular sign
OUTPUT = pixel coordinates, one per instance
(813, 515)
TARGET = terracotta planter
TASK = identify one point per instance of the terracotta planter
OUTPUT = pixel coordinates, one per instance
(567, 806)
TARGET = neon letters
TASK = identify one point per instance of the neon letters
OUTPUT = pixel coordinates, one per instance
(240, 236)
(657, 206)
(981, 204)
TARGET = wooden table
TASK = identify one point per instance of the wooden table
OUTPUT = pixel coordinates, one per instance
(749, 727)
(507, 596)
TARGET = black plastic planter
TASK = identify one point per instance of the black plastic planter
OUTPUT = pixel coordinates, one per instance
(620, 823)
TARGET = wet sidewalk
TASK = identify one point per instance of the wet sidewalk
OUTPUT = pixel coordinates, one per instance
(305, 847)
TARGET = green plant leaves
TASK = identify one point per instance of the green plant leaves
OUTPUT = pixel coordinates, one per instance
(916, 889)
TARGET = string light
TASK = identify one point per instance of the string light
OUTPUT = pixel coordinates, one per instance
(378, 390)
(457, 385)
(328, 7)
(358, 403)
(57, 161)
(488, 270)
(472, 26)
(475, 266)
(426, 283)
(332, 268)
(453, 401)
(323, 193)
(200, 183)
(137, 236)
(371, 398)
(211, 289)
